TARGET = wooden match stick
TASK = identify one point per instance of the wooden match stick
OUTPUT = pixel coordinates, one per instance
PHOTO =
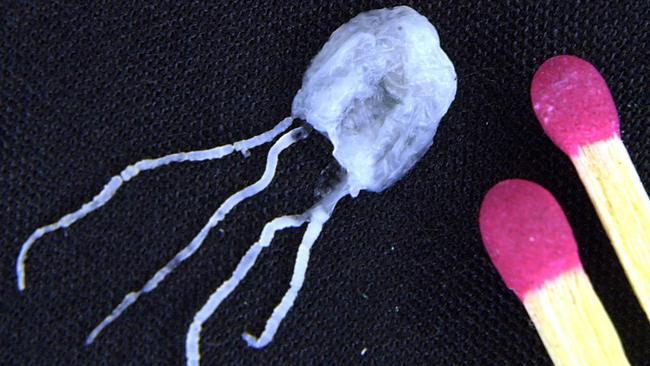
(576, 110)
(532, 247)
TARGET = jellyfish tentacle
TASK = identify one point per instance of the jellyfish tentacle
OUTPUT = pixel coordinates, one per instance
(133, 170)
(297, 279)
(283, 142)
(224, 290)
(318, 216)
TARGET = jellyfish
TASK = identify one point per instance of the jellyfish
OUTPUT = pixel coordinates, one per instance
(377, 90)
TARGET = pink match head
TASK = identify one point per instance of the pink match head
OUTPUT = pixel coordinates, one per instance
(573, 104)
(526, 235)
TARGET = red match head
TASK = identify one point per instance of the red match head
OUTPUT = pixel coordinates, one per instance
(573, 104)
(526, 235)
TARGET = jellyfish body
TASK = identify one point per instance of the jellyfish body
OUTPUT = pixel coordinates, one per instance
(377, 90)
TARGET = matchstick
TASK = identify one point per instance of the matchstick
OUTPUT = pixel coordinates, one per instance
(576, 110)
(532, 247)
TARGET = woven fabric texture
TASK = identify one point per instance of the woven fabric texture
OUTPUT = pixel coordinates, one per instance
(397, 278)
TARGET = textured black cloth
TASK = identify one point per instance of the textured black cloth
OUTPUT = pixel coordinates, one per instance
(403, 275)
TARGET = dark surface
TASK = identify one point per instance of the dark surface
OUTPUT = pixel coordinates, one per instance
(87, 90)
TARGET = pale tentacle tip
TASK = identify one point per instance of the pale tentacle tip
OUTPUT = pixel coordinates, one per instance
(21, 283)
(90, 339)
(253, 341)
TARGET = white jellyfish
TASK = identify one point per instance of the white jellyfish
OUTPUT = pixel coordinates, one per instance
(377, 90)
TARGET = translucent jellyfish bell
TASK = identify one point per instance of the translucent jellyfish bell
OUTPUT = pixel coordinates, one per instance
(378, 90)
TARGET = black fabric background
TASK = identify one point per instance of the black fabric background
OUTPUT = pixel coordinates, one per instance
(86, 90)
